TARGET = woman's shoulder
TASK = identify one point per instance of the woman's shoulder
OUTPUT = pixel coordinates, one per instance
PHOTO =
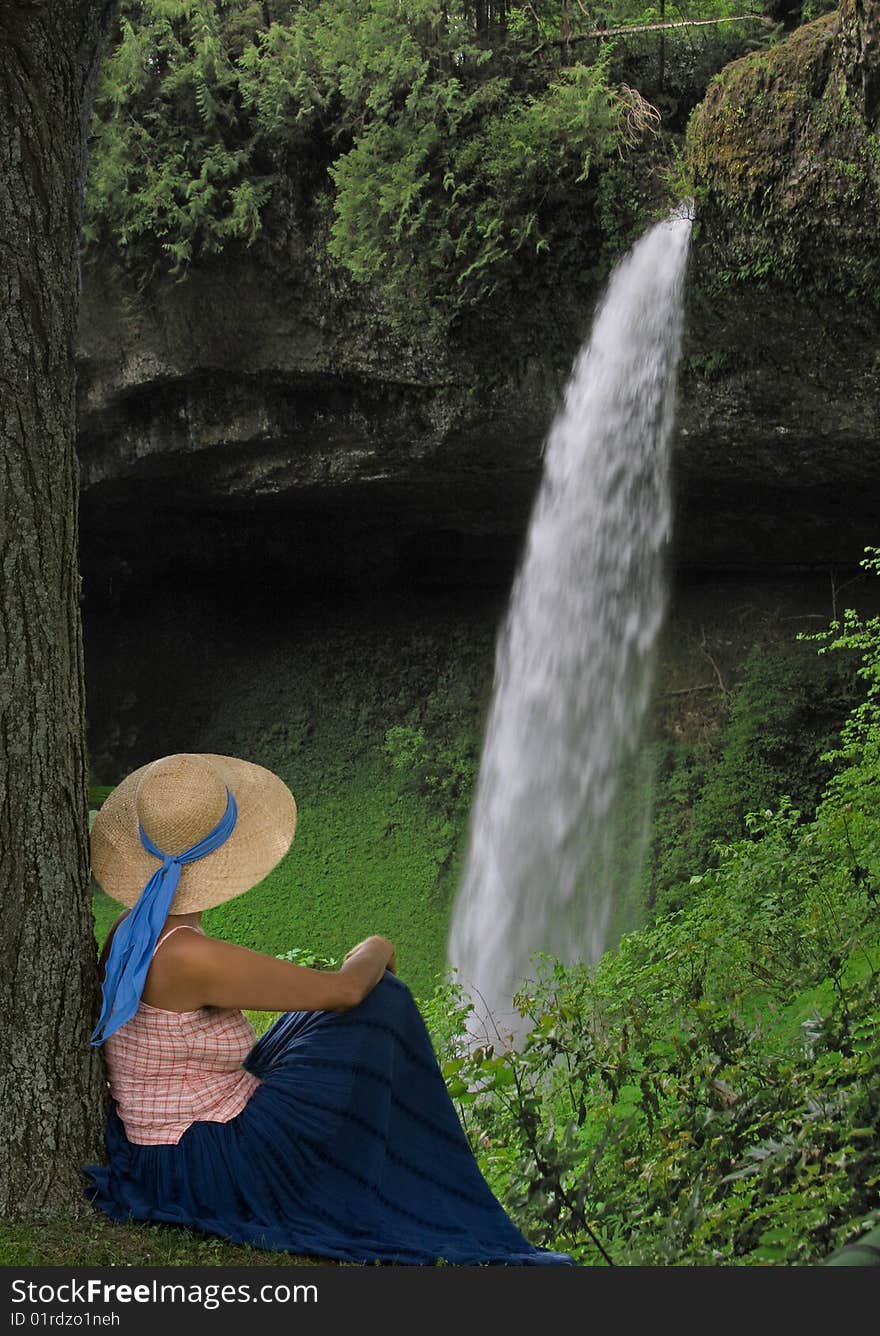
(168, 983)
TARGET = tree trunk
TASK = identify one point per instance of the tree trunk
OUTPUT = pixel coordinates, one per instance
(859, 54)
(52, 1087)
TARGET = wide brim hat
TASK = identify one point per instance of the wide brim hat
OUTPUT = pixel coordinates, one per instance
(178, 799)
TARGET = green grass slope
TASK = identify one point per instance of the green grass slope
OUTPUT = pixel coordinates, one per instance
(381, 824)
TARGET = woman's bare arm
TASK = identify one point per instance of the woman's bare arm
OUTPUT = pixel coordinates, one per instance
(209, 972)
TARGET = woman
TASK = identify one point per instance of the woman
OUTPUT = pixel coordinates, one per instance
(331, 1135)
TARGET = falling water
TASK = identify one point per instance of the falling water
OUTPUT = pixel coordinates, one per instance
(559, 821)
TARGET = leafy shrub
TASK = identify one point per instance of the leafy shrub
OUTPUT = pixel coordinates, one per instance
(782, 721)
(436, 154)
(709, 1093)
(442, 771)
(311, 959)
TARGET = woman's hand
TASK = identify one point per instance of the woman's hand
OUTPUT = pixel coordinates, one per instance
(379, 941)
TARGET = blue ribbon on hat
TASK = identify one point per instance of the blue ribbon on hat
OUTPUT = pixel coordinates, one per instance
(134, 941)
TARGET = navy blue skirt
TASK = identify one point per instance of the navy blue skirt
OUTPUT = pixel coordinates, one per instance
(349, 1148)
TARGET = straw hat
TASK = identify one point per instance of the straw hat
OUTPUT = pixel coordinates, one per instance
(178, 800)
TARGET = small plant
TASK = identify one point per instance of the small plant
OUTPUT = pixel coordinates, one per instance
(311, 959)
(444, 772)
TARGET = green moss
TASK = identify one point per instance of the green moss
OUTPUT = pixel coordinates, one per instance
(786, 174)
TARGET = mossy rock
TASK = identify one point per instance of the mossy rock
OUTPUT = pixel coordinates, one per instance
(786, 170)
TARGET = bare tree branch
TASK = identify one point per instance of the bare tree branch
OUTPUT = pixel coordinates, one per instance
(652, 27)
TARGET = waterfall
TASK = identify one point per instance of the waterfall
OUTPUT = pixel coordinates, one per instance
(560, 818)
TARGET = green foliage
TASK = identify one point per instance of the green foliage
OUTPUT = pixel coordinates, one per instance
(707, 365)
(852, 792)
(96, 795)
(863, 1251)
(175, 171)
(440, 198)
(673, 1107)
(313, 960)
(440, 155)
(709, 1093)
(443, 771)
(780, 720)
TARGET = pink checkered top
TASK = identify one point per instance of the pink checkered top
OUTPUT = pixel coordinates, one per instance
(169, 1069)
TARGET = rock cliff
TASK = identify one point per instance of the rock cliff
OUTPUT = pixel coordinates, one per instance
(254, 414)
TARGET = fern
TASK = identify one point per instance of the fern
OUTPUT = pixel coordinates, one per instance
(450, 161)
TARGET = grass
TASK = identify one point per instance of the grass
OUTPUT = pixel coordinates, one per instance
(313, 702)
(83, 1241)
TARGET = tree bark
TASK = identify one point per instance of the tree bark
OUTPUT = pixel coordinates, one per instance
(859, 53)
(52, 1086)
